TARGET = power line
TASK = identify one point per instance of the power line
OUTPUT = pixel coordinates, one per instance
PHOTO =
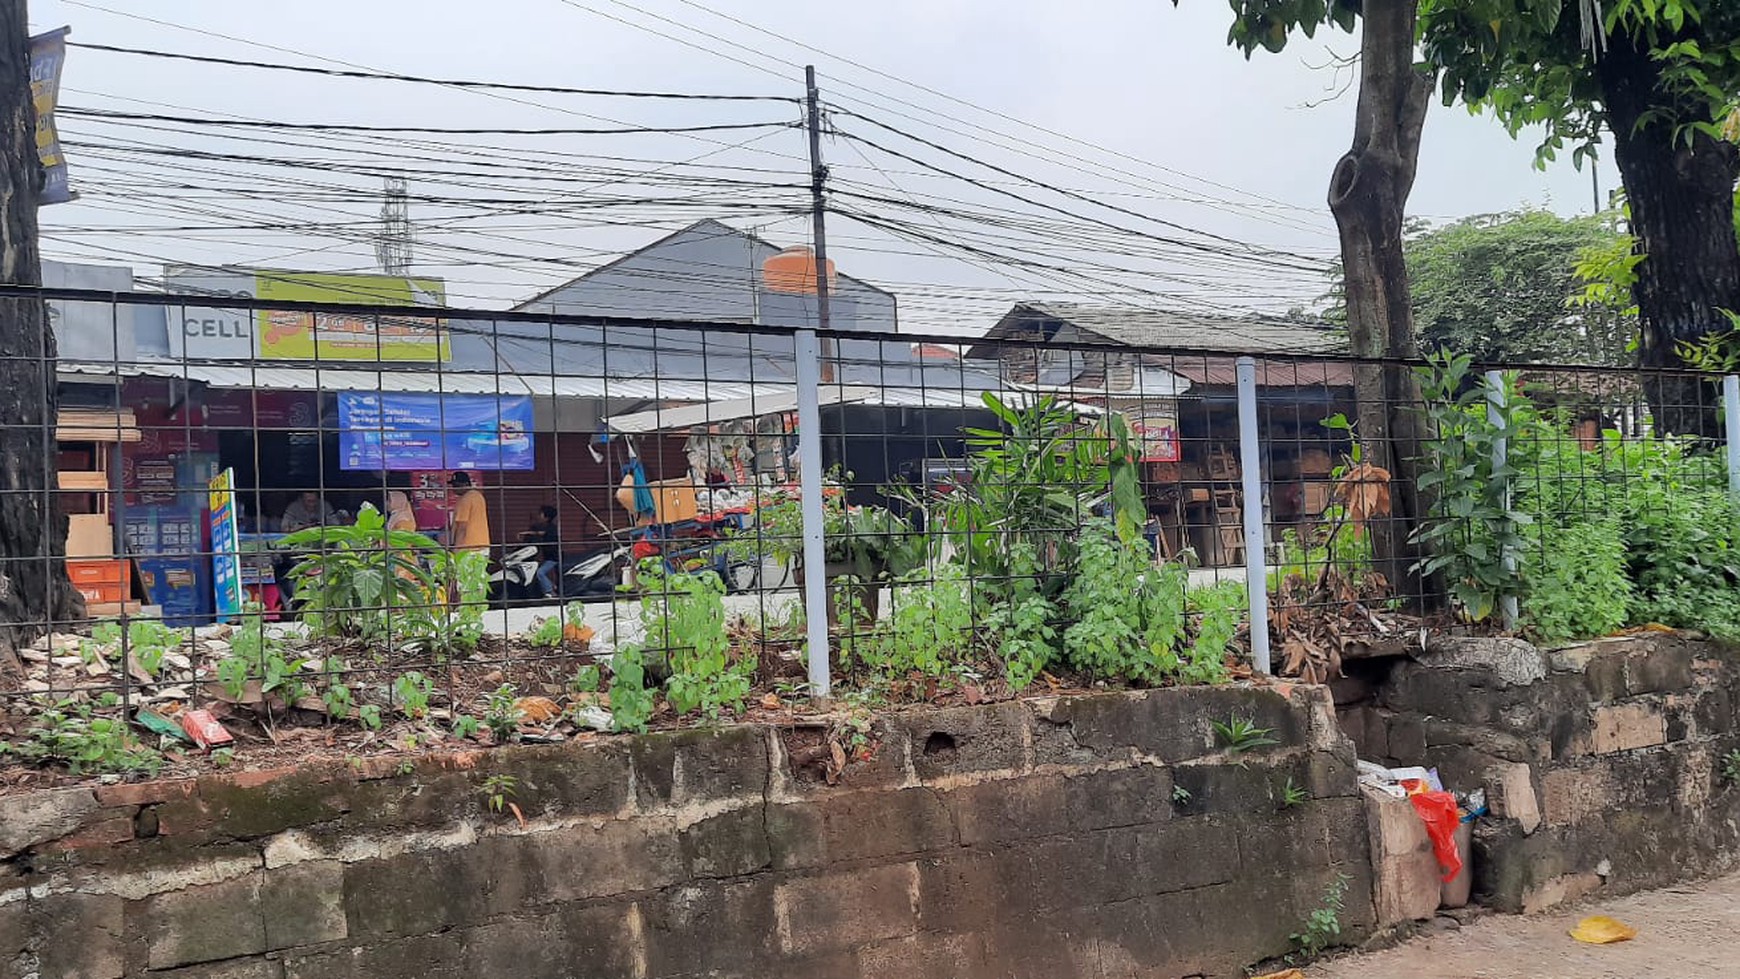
(423, 80)
(84, 113)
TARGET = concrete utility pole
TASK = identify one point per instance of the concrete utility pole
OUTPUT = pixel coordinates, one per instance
(818, 203)
(34, 591)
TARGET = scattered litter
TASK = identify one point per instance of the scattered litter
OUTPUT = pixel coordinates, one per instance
(204, 729)
(1441, 815)
(592, 716)
(1601, 930)
(157, 724)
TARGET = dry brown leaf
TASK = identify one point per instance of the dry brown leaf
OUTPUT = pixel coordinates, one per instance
(1364, 491)
(517, 814)
(973, 693)
(577, 634)
(537, 710)
(771, 701)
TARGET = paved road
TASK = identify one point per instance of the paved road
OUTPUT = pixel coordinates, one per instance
(1690, 932)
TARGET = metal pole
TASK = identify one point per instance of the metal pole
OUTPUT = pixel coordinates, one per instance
(815, 596)
(1495, 402)
(1251, 466)
(1731, 431)
(818, 205)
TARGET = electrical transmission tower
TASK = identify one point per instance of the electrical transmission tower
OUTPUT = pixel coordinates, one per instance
(393, 246)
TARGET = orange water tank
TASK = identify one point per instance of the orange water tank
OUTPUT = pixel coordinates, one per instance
(794, 271)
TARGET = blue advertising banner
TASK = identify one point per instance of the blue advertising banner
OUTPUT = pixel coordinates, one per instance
(47, 55)
(226, 559)
(398, 432)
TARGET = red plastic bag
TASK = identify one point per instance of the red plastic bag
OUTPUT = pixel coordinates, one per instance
(1439, 811)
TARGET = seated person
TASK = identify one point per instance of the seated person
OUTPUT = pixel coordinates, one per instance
(308, 510)
(545, 533)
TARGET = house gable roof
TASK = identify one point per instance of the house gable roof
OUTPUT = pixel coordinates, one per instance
(1160, 330)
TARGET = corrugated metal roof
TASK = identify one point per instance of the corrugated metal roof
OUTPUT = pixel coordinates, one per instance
(1161, 329)
(456, 382)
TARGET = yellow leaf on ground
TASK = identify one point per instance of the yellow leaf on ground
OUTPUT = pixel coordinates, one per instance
(1601, 930)
(1289, 974)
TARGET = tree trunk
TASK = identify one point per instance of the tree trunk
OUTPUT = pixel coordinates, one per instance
(1368, 196)
(1682, 213)
(34, 590)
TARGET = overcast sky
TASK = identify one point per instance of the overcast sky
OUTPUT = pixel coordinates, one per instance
(1172, 124)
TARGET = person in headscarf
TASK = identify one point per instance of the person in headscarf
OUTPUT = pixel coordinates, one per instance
(399, 513)
(400, 517)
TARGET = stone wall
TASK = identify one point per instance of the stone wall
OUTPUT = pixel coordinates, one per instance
(1602, 762)
(1103, 836)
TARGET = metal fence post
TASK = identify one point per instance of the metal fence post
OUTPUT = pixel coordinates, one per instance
(1256, 557)
(815, 589)
(1496, 397)
(1731, 431)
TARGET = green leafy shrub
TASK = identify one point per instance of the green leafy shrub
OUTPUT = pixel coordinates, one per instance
(1127, 616)
(70, 734)
(1471, 525)
(928, 629)
(389, 586)
(1577, 579)
(682, 620)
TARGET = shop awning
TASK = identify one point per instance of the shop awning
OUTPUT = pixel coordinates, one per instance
(769, 402)
(456, 382)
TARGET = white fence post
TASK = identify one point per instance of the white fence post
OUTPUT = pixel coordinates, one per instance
(1495, 404)
(1256, 556)
(815, 589)
(1731, 431)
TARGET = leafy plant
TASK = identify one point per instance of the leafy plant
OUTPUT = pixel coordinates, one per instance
(501, 715)
(547, 633)
(256, 654)
(69, 733)
(411, 691)
(1578, 586)
(928, 628)
(465, 726)
(550, 632)
(337, 695)
(369, 716)
(390, 586)
(1322, 927)
(1731, 767)
(1180, 795)
(1218, 610)
(1293, 794)
(1030, 484)
(1471, 531)
(1239, 735)
(497, 790)
(223, 757)
(149, 641)
(586, 679)
(631, 702)
(1127, 615)
(683, 624)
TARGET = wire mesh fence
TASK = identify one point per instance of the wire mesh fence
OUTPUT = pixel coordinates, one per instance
(307, 518)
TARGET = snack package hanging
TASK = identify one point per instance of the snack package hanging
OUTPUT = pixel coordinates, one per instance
(1441, 815)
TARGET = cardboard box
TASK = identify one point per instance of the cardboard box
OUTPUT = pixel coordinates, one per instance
(89, 535)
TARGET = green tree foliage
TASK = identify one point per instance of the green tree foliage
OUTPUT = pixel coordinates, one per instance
(1547, 64)
(1499, 288)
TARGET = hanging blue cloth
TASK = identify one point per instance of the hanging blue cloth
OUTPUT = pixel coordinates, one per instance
(644, 505)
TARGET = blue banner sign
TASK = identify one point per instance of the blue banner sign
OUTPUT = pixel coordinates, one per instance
(226, 560)
(402, 432)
